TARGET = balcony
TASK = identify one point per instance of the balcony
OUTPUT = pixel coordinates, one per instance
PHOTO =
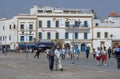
(77, 28)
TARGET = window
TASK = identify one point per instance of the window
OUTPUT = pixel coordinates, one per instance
(85, 24)
(85, 35)
(3, 38)
(14, 26)
(57, 35)
(66, 35)
(48, 35)
(0, 38)
(22, 38)
(22, 26)
(9, 37)
(98, 34)
(76, 35)
(9, 26)
(31, 26)
(3, 27)
(48, 24)
(40, 35)
(30, 38)
(77, 24)
(57, 23)
(67, 24)
(40, 24)
(96, 24)
(106, 35)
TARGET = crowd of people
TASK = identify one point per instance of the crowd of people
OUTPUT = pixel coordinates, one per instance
(56, 54)
(101, 54)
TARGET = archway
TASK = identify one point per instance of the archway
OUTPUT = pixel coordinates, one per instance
(115, 45)
(59, 44)
(83, 47)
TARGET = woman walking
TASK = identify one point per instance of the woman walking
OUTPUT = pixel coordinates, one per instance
(98, 56)
(104, 56)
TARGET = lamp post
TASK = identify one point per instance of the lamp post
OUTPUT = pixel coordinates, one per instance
(74, 27)
(5, 46)
(26, 46)
(73, 32)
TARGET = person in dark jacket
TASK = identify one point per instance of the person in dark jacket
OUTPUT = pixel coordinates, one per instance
(109, 52)
(117, 55)
(87, 52)
(51, 55)
(37, 53)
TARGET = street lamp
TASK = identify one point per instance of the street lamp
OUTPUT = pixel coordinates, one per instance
(26, 46)
(72, 28)
(5, 46)
(26, 35)
(73, 32)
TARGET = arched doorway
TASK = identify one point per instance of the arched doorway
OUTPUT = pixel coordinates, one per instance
(115, 45)
(83, 47)
(59, 44)
(67, 45)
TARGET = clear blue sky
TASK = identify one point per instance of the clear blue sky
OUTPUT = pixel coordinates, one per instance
(10, 8)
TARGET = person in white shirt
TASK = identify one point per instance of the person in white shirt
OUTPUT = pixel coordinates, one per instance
(98, 56)
(47, 51)
(58, 59)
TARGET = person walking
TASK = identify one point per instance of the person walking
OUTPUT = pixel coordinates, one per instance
(104, 56)
(77, 53)
(58, 59)
(94, 52)
(117, 56)
(109, 52)
(87, 52)
(47, 51)
(67, 52)
(51, 55)
(98, 56)
(37, 53)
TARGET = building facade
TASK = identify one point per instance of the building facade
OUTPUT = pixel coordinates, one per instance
(107, 31)
(66, 27)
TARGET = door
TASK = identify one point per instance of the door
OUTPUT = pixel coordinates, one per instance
(83, 47)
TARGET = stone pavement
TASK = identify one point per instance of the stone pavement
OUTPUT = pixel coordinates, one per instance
(16, 66)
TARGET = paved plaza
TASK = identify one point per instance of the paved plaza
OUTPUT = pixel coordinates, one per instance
(16, 66)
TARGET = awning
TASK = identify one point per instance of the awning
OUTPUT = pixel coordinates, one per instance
(45, 44)
(23, 46)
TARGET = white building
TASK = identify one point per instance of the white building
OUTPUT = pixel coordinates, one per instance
(62, 26)
(8, 32)
(107, 32)
(58, 25)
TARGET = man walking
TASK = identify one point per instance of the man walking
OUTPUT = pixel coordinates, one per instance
(109, 52)
(37, 53)
(117, 55)
(87, 52)
(58, 59)
(51, 58)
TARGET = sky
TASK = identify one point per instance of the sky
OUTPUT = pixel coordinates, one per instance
(102, 8)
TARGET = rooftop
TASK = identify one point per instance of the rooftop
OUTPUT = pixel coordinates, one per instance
(114, 14)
